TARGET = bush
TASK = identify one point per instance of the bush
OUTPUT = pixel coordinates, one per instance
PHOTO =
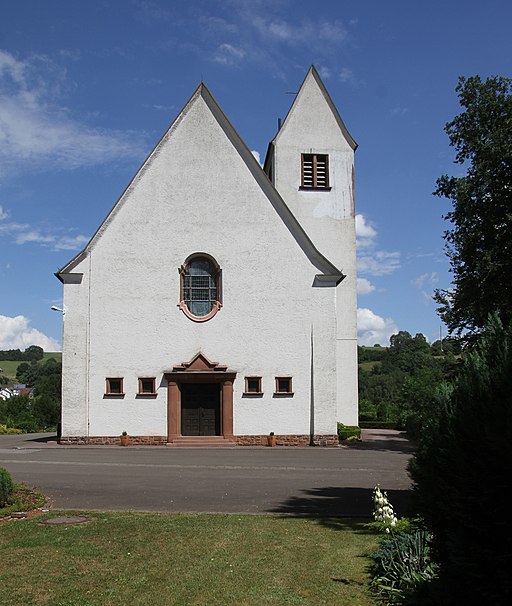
(6, 486)
(402, 567)
(461, 470)
(378, 425)
(367, 410)
(346, 432)
(4, 430)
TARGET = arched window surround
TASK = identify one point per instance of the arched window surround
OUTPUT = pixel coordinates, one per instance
(215, 286)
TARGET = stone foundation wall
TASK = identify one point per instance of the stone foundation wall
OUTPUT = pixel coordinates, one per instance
(114, 440)
(288, 440)
(251, 440)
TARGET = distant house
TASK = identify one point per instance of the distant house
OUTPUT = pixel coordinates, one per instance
(5, 393)
(24, 391)
(218, 299)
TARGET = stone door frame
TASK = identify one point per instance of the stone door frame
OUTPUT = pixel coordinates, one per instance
(199, 370)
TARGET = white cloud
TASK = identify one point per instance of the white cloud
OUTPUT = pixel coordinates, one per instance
(256, 154)
(228, 54)
(425, 279)
(378, 263)
(260, 31)
(365, 233)
(426, 284)
(364, 286)
(16, 333)
(53, 238)
(324, 72)
(310, 32)
(373, 329)
(37, 132)
(370, 261)
(346, 74)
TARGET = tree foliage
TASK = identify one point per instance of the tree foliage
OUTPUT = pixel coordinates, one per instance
(479, 241)
(42, 411)
(461, 474)
(34, 352)
(397, 383)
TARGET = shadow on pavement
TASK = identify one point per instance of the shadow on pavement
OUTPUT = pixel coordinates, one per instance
(382, 440)
(43, 439)
(335, 502)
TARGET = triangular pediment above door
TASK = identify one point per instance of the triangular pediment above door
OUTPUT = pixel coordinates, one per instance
(199, 363)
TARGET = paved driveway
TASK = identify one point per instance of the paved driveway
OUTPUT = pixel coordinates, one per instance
(296, 481)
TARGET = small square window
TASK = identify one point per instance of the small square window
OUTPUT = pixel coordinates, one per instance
(315, 171)
(283, 386)
(114, 386)
(147, 386)
(253, 386)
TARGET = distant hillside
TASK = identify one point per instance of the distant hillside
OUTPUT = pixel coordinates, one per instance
(9, 367)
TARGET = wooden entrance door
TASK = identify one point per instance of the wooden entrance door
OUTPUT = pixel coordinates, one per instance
(200, 409)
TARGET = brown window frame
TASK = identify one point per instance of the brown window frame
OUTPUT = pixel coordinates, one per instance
(218, 285)
(289, 391)
(108, 387)
(316, 183)
(147, 393)
(249, 392)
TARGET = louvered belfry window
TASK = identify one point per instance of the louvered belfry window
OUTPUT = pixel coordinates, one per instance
(315, 171)
(200, 285)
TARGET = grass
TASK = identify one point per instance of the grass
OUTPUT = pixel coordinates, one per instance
(9, 367)
(187, 560)
(23, 498)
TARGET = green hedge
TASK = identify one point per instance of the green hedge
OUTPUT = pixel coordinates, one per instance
(4, 430)
(347, 432)
(378, 425)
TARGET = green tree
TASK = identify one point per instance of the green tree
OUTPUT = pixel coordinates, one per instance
(34, 352)
(479, 241)
(461, 474)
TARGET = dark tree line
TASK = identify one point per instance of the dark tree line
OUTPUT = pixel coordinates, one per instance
(34, 352)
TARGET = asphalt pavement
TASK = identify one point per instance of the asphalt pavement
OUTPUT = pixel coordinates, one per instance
(287, 480)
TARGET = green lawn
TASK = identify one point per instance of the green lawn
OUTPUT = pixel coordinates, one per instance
(186, 559)
(9, 367)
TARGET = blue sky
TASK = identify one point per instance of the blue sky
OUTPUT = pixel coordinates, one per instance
(88, 88)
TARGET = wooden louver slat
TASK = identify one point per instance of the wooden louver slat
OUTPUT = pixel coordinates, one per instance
(315, 171)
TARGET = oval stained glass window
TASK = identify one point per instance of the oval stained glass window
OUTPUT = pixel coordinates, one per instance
(200, 288)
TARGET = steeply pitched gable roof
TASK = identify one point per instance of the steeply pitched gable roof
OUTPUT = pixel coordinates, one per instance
(329, 273)
(313, 74)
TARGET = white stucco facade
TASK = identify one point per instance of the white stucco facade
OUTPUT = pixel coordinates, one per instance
(287, 261)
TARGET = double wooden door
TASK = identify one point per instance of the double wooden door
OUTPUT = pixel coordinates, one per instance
(200, 409)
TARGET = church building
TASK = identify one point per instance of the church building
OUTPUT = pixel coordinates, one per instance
(216, 303)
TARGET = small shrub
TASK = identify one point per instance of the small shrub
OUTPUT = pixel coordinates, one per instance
(6, 486)
(402, 566)
(4, 430)
(346, 432)
(23, 498)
